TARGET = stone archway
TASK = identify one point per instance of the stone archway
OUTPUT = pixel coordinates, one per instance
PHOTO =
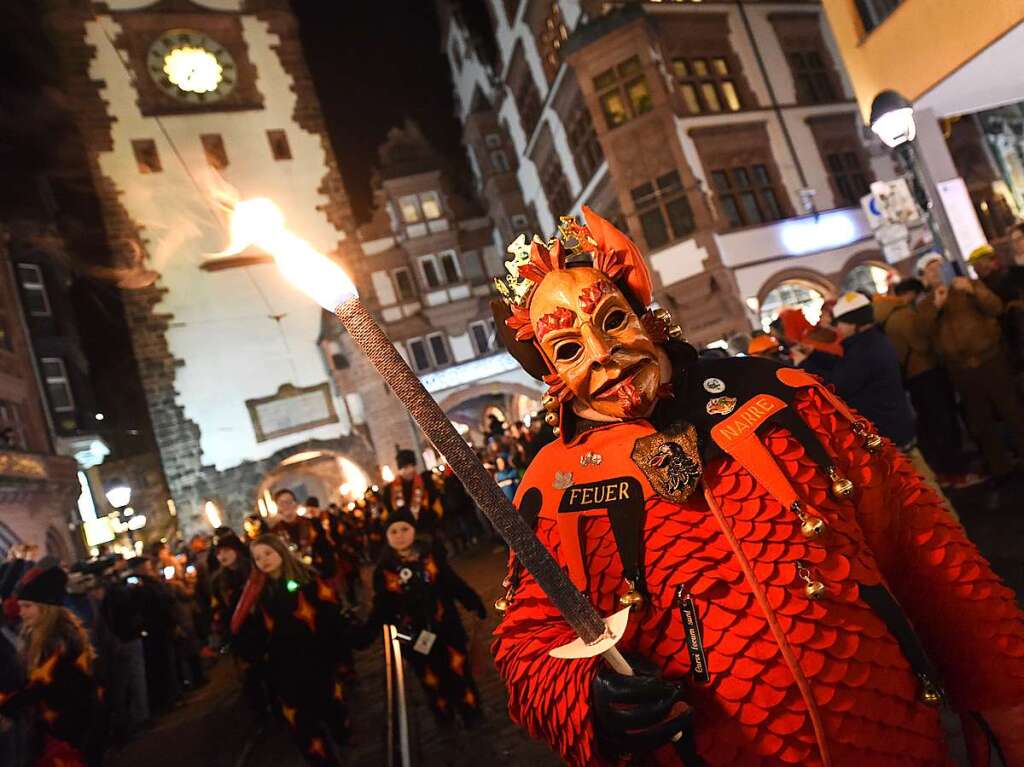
(803, 288)
(235, 490)
(470, 405)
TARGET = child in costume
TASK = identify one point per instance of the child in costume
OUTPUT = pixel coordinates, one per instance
(797, 594)
(415, 589)
(290, 620)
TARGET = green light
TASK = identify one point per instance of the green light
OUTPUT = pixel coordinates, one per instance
(291, 585)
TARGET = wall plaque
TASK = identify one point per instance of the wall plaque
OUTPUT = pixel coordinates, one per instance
(290, 410)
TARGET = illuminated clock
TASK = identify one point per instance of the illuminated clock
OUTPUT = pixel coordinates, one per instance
(191, 66)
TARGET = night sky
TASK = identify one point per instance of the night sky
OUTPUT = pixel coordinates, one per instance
(375, 65)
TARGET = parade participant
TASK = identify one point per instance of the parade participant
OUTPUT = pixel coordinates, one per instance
(290, 619)
(234, 566)
(416, 589)
(767, 346)
(416, 492)
(797, 593)
(296, 529)
(506, 476)
(59, 689)
(962, 319)
(818, 351)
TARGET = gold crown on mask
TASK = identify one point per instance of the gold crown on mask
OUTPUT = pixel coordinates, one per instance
(575, 241)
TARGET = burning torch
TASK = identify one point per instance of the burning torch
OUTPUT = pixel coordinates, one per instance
(260, 222)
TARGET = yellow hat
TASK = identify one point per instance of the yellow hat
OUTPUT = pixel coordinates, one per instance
(980, 252)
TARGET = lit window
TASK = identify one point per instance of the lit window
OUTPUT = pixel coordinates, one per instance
(706, 85)
(430, 203)
(410, 207)
(552, 34)
(623, 92)
(55, 376)
(33, 290)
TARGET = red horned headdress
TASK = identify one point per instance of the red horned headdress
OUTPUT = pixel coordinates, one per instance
(598, 244)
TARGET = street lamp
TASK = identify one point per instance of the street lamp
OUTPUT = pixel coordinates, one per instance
(119, 496)
(892, 120)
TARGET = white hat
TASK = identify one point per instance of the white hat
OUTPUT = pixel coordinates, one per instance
(853, 307)
(926, 259)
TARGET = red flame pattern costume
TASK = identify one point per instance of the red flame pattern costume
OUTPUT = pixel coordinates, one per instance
(820, 649)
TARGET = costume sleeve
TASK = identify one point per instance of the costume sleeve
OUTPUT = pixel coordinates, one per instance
(547, 696)
(966, 618)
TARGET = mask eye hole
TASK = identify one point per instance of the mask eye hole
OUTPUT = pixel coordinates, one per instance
(568, 351)
(615, 320)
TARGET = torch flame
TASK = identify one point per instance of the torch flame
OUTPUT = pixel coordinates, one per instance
(260, 222)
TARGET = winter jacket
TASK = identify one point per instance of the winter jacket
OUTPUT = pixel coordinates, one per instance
(62, 697)
(868, 378)
(966, 330)
(914, 348)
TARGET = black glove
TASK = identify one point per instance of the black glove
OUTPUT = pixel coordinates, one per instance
(637, 714)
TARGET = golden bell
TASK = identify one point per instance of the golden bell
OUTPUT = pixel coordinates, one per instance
(841, 486)
(551, 419)
(662, 315)
(930, 694)
(675, 332)
(549, 403)
(555, 430)
(501, 604)
(812, 527)
(872, 442)
(814, 589)
(631, 598)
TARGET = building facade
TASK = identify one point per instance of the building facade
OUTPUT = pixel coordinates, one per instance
(38, 487)
(959, 67)
(430, 256)
(181, 106)
(723, 135)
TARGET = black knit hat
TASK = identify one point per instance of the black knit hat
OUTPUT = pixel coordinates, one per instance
(405, 457)
(228, 540)
(46, 585)
(399, 515)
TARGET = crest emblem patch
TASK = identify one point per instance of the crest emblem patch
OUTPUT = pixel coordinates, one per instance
(670, 461)
(563, 479)
(714, 385)
(721, 405)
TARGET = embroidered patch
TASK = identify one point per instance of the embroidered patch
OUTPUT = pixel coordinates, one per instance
(670, 461)
(745, 421)
(721, 405)
(591, 459)
(714, 385)
(563, 479)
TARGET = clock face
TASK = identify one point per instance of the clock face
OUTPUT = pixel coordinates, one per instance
(191, 66)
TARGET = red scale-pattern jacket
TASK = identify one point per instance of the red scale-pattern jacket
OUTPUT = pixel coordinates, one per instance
(792, 681)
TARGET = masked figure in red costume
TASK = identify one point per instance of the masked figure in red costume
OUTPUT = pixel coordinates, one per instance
(798, 594)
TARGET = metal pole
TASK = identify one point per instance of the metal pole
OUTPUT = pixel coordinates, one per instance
(942, 229)
(390, 697)
(403, 720)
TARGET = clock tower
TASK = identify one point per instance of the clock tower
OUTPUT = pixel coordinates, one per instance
(181, 104)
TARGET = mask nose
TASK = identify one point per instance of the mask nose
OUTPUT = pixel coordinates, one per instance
(598, 345)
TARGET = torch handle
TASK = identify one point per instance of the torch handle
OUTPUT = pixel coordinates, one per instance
(578, 612)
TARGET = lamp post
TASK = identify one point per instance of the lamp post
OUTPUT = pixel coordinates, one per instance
(119, 497)
(892, 120)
